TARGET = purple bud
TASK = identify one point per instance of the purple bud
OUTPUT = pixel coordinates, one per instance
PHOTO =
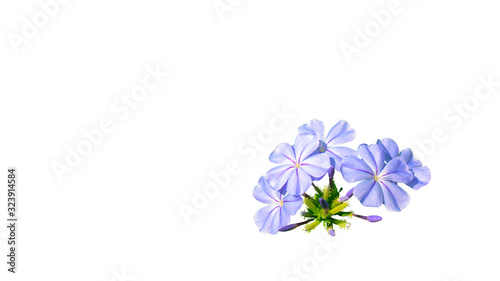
(324, 204)
(294, 225)
(331, 231)
(289, 227)
(347, 196)
(374, 218)
(369, 218)
(331, 173)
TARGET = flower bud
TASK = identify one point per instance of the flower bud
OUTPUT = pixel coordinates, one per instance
(331, 231)
(331, 173)
(294, 225)
(324, 204)
(369, 218)
(289, 227)
(347, 196)
(374, 218)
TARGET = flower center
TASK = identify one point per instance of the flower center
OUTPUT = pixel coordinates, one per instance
(322, 146)
(280, 203)
(376, 178)
(297, 165)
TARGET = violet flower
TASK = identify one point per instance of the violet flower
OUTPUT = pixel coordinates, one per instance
(340, 133)
(299, 166)
(274, 216)
(378, 180)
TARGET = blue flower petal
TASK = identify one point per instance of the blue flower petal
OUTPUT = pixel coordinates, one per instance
(317, 165)
(340, 133)
(338, 153)
(315, 127)
(299, 182)
(354, 169)
(373, 155)
(390, 147)
(304, 146)
(395, 198)
(264, 193)
(281, 218)
(283, 154)
(265, 216)
(278, 176)
(397, 170)
(422, 176)
(369, 193)
(408, 157)
(291, 204)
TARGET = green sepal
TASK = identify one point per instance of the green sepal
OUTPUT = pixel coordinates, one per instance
(338, 208)
(318, 191)
(308, 215)
(341, 223)
(326, 194)
(312, 225)
(311, 204)
(345, 214)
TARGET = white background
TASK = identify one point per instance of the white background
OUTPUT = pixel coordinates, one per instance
(118, 210)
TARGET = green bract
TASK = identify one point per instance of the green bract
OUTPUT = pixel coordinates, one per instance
(330, 214)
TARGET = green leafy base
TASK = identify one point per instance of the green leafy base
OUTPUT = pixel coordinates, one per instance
(333, 215)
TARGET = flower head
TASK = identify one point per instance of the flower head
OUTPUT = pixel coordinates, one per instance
(340, 133)
(274, 216)
(299, 166)
(421, 175)
(378, 179)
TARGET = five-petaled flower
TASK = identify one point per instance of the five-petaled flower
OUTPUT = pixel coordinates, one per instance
(378, 179)
(277, 213)
(340, 133)
(299, 165)
(421, 175)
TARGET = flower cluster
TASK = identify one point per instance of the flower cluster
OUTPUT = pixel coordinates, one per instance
(376, 168)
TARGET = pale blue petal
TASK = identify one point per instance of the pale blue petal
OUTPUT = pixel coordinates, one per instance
(340, 133)
(335, 160)
(422, 176)
(395, 198)
(283, 154)
(278, 176)
(264, 217)
(264, 193)
(298, 182)
(373, 155)
(369, 193)
(281, 218)
(315, 127)
(304, 146)
(354, 169)
(390, 147)
(408, 157)
(338, 153)
(306, 129)
(291, 204)
(397, 170)
(316, 165)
